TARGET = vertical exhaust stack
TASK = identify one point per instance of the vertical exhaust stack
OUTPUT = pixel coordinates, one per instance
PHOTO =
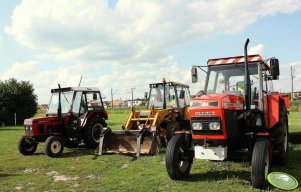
(247, 78)
(59, 109)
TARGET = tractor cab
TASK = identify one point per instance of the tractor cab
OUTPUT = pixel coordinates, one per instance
(229, 79)
(75, 103)
(168, 95)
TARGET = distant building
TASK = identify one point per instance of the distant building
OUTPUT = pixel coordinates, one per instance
(136, 102)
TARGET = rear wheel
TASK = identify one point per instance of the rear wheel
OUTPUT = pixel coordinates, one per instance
(54, 146)
(261, 159)
(178, 160)
(27, 146)
(92, 132)
(279, 135)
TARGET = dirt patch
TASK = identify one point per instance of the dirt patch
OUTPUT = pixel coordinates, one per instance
(90, 176)
(59, 177)
(124, 166)
(30, 170)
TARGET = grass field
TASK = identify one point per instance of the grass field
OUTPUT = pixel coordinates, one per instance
(80, 170)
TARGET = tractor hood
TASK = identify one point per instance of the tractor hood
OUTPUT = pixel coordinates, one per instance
(39, 120)
(217, 101)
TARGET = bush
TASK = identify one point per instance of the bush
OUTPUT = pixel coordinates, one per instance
(16, 97)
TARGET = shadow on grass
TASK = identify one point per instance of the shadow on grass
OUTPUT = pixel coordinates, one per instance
(295, 137)
(7, 175)
(218, 175)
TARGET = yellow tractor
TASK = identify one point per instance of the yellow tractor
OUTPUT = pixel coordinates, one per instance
(146, 131)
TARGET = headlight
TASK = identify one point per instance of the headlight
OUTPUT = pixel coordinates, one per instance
(197, 126)
(215, 126)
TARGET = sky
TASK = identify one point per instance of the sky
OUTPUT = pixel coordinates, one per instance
(127, 44)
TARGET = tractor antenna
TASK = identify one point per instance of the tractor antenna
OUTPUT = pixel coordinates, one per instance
(247, 78)
(80, 80)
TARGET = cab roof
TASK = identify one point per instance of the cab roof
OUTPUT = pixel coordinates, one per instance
(170, 84)
(234, 60)
(83, 89)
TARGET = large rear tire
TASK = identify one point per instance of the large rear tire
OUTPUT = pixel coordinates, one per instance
(92, 132)
(261, 161)
(279, 135)
(54, 146)
(178, 160)
(27, 146)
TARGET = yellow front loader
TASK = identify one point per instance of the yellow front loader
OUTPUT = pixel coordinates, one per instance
(146, 131)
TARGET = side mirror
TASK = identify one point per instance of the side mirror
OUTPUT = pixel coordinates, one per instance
(194, 74)
(182, 94)
(274, 67)
(94, 96)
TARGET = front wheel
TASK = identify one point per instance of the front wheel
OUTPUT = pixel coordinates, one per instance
(27, 146)
(261, 161)
(54, 146)
(178, 160)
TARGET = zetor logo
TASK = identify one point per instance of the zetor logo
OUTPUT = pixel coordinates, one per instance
(204, 113)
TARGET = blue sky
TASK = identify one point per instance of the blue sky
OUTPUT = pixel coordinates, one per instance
(127, 44)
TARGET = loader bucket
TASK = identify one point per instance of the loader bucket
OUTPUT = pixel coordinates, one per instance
(128, 142)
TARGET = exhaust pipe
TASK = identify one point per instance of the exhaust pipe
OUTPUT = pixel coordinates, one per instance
(59, 109)
(247, 78)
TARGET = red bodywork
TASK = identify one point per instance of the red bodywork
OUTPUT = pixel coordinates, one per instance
(272, 110)
(225, 101)
(41, 125)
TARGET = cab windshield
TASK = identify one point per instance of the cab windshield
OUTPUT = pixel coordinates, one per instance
(230, 79)
(156, 96)
(66, 100)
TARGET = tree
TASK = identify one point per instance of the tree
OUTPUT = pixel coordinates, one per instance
(16, 97)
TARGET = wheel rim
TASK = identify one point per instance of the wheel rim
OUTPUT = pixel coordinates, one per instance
(266, 164)
(28, 146)
(96, 131)
(56, 146)
(182, 164)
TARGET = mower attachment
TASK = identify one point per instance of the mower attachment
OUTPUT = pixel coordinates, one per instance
(128, 142)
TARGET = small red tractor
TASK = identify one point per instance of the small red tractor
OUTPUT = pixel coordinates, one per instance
(75, 114)
(237, 114)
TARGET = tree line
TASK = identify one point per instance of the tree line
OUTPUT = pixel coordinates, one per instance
(16, 98)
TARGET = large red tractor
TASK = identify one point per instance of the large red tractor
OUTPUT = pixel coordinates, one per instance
(237, 114)
(75, 114)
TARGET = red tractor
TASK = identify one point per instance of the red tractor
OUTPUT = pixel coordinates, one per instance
(237, 114)
(75, 114)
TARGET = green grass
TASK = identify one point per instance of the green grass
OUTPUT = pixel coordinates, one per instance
(85, 172)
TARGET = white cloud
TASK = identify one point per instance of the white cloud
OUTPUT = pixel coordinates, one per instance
(256, 49)
(126, 46)
(0, 38)
(137, 31)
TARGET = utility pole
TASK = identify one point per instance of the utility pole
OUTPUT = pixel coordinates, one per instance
(111, 98)
(132, 92)
(292, 81)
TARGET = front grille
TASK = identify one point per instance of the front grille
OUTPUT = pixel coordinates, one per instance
(205, 123)
(28, 129)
